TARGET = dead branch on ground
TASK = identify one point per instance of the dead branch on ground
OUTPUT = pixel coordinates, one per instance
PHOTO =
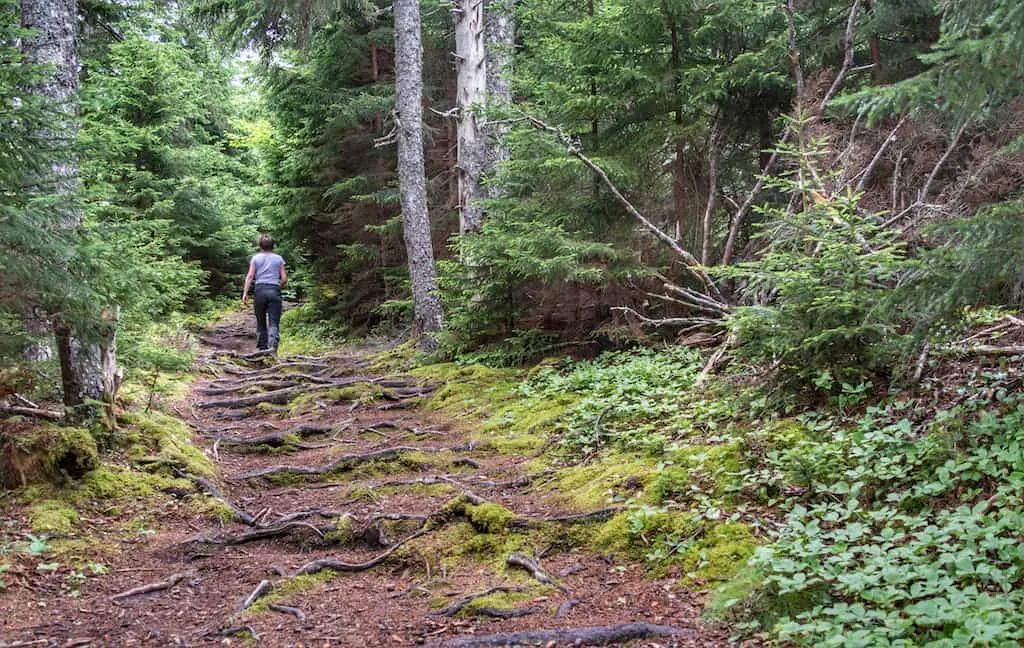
(158, 586)
(33, 412)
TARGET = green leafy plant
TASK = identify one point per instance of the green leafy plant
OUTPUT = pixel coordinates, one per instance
(819, 295)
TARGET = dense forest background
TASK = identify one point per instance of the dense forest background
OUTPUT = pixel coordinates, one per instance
(870, 149)
(823, 196)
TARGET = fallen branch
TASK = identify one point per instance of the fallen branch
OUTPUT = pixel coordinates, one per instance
(713, 361)
(455, 607)
(692, 264)
(670, 322)
(159, 586)
(530, 565)
(591, 636)
(34, 412)
(988, 349)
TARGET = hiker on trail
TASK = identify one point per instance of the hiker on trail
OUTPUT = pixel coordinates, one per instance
(267, 269)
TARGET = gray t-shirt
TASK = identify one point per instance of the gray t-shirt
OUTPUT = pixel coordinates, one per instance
(268, 268)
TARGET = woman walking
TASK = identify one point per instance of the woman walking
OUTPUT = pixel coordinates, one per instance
(267, 269)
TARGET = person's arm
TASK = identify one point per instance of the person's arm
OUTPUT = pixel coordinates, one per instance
(284, 275)
(248, 281)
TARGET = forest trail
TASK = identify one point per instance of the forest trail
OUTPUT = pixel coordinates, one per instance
(372, 552)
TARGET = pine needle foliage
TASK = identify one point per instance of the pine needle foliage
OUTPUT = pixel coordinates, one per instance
(818, 294)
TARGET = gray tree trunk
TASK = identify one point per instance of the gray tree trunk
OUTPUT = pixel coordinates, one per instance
(411, 170)
(484, 42)
(471, 57)
(500, 34)
(88, 368)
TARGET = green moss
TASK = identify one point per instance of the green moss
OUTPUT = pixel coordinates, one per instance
(716, 466)
(71, 451)
(747, 597)
(592, 486)
(267, 408)
(106, 483)
(344, 531)
(171, 439)
(669, 483)
(488, 517)
(498, 600)
(468, 390)
(52, 516)
(634, 533)
(207, 506)
(704, 550)
(359, 392)
(289, 587)
(398, 359)
(720, 552)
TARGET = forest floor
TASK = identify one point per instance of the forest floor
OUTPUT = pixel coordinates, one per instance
(359, 518)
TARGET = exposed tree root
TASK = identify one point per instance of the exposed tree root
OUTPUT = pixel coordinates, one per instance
(331, 564)
(278, 439)
(171, 581)
(565, 608)
(280, 367)
(265, 385)
(345, 462)
(282, 396)
(264, 588)
(215, 492)
(455, 607)
(591, 636)
(530, 565)
(284, 609)
(506, 613)
(230, 540)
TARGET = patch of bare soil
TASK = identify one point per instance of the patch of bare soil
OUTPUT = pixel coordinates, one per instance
(341, 535)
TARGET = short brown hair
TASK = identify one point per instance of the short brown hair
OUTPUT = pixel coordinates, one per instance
(265, 242)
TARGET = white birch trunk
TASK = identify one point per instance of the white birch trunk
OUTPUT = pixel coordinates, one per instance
(500, 33)
(411, 170)
(88, 368)
(471, 58)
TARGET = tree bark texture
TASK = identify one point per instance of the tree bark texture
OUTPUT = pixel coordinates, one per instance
(411, 171)
(88, 368)
(500, 37)
(471, 59)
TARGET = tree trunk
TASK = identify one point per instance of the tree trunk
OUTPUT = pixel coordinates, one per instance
(88, 368)
(471, 58)
(500, 37)
(411, 171)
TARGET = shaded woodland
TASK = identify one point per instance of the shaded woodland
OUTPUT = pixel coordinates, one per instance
(744, 276)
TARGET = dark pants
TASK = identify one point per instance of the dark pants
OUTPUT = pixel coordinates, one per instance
(267, 301)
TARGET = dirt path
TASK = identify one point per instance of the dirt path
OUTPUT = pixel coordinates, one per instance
(379, 550)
